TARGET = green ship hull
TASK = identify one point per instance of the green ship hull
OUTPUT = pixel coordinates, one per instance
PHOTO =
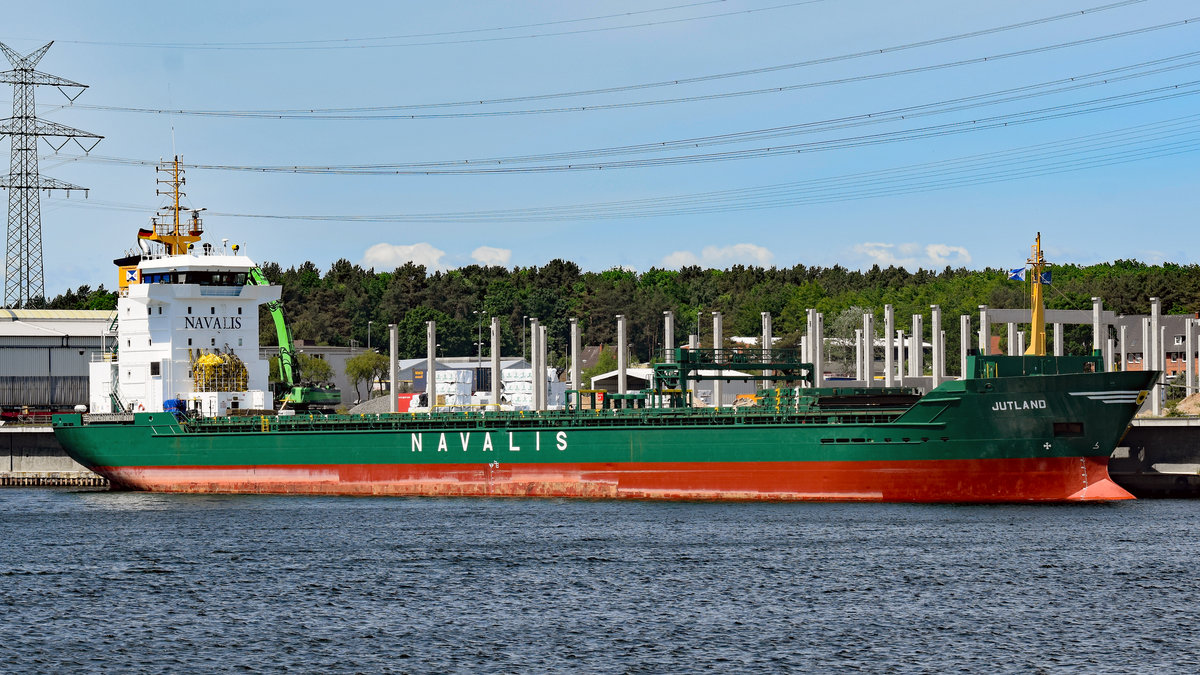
(1032, 436)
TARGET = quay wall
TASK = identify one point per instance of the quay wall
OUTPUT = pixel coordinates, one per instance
(31, 456)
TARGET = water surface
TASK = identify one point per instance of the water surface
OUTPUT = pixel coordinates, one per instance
(101, 581)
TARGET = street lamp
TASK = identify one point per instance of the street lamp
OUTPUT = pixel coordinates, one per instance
(369, 335)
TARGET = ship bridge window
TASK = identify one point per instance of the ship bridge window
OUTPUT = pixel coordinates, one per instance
(201, 278)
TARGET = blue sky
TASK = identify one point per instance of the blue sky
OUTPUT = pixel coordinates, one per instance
(1060, 126)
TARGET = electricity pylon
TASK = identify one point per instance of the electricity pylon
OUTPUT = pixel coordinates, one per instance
(23, 278)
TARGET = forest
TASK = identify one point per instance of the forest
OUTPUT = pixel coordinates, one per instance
(342, 304)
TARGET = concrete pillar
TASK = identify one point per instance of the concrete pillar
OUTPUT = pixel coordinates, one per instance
(916, 355)
(1020, 342)
(496, 371)
(939, 344)
(900, 343)
(1155, 324)
(1058, 339)
(1146, 358)
(858, 354)
(985, 331)
(768, 340)
(668, 337)
(1189, 358)
(868, 330)
(718, 342)
(808, 355)
(1124, 348)
(1156, 352)
(430, 363)
(1109, 347)
(534, 359)
(1012, 339)
(622, 364)
(545, 388)
(1161, 359)
(819, 347)
(576, 355)
(693, 341)
(1098, 332)
(964, 331)
(889, 356)
(393, 339)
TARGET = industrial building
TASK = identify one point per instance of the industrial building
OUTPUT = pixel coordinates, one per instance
(44, 357)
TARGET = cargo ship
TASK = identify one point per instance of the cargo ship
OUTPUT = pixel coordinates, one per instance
(170, 403)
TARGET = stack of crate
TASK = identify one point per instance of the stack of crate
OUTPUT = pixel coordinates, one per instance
(454, 387)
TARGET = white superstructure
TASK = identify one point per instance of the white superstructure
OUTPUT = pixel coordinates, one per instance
(186, 326)
(181, 308)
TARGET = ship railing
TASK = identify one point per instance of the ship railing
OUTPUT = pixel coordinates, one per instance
(521, 420)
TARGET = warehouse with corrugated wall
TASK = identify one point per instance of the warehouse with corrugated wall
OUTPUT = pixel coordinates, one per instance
(44, 356)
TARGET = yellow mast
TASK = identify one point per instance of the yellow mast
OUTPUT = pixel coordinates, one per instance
(1037, 342)
(170, 231)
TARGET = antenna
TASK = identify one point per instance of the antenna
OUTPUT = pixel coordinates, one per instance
(23, 277)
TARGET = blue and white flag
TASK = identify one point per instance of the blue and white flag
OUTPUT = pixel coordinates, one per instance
(1046, 278)
(1017, 274)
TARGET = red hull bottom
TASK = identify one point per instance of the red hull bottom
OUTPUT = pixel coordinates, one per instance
(983, 480)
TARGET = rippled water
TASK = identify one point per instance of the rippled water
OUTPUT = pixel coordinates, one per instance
(98, 581)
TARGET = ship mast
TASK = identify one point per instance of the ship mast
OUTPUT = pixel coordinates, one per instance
(167, 228)
(1037, 341)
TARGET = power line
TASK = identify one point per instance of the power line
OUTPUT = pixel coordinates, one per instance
(1130, 144)
(367, 114)
(512, 164)
(385, 112)
(358, 43)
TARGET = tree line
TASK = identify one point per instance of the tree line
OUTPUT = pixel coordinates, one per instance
(347, 305)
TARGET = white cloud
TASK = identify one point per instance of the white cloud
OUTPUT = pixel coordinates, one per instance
(488, 255)
(913, 256)
(721, 256)
(390, 256)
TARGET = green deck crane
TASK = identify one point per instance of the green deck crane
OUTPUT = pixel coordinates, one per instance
(298, 396)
